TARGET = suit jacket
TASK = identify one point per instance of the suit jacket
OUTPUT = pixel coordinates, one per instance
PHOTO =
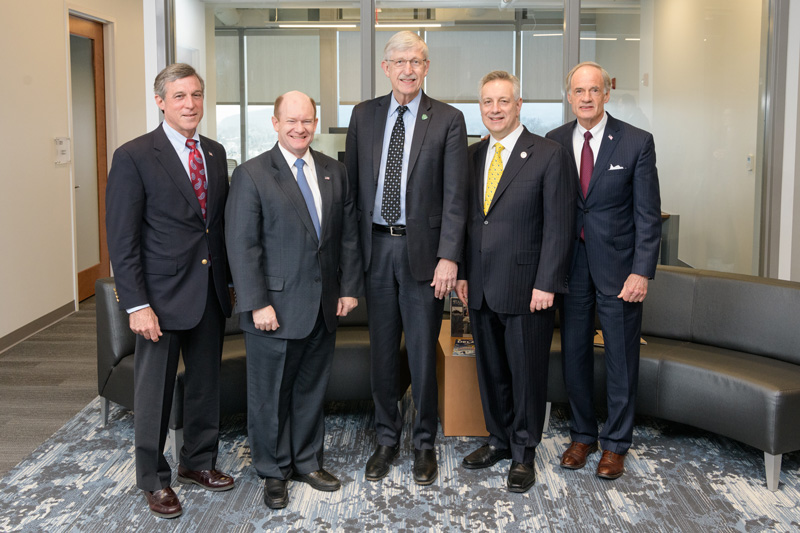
(436, 199)
(621, 214)
(275, 256)
(158, 242)
(525, 239)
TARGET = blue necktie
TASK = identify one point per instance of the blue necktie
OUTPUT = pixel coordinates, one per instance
(307, 196)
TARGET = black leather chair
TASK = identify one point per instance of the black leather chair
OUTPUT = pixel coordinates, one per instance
(350, 372)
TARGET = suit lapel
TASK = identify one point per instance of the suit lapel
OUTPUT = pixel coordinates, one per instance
(165, 153)
(515, 163)
(325, 191)
(611, 137)
(479, 165)
(212, 177)
(378, 129)
(288, 183)
(420, 128)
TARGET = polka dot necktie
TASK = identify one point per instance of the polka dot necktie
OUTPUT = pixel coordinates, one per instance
(390, 205)
(495, 171)
(197, 172)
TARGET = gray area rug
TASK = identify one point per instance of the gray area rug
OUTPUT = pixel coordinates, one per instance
(678, 479)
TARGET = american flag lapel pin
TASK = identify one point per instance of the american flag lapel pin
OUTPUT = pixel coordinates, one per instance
(610, 138)
(328, 178)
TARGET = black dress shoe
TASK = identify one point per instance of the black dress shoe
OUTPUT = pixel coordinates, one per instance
(276, 495)
(378, 464)
(320, 480)
(521, 477)
(485, 456)
(425, 469)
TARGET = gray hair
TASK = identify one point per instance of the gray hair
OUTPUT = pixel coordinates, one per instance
(501, 75)
(403, 41)
(174, 72)
(606, 77)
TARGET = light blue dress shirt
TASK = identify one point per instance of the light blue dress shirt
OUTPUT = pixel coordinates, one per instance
(409, 120)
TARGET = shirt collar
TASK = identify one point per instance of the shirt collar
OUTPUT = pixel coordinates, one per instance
(413, 105)
(509, 141)
(598, 128)
(291, 158)
(176, 138)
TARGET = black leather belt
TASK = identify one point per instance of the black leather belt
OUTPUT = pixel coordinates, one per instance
(395, 231)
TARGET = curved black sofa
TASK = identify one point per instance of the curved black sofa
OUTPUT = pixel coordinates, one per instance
(349, 380)
(722, 354)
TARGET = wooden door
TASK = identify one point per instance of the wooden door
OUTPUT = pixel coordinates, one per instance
(89, 151)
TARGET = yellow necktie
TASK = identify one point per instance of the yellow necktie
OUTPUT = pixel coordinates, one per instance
(495, 171)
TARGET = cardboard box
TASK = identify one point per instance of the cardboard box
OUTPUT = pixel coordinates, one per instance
(460, 410)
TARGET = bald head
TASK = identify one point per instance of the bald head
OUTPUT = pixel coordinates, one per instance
(294, 96)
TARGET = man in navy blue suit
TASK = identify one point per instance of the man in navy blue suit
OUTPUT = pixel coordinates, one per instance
(617, 239)
(165, 202)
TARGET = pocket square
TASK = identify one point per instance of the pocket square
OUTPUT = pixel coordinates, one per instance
(616, 167)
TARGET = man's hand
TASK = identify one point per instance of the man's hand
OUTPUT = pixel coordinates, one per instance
(461, 290)
(635, 289)
(265, 319)
(144, 322)
(444, 277)
(346, 304)
(541, 300)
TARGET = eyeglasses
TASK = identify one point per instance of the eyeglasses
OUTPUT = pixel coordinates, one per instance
(401, 63)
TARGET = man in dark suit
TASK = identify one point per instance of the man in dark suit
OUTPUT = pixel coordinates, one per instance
(406, 156)
(293, 251)
(618, 233)
(164, 212)
(519, 240)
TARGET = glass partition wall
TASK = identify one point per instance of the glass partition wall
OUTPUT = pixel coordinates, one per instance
(690, 71)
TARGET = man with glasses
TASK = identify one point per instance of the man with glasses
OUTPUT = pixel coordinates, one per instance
(406, 156)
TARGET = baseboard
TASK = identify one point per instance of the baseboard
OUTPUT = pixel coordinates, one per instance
(36, 326)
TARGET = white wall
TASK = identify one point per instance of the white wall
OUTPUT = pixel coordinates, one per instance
(37, 264)
(705, 121)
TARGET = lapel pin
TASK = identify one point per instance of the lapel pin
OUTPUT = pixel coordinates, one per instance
(424, 116)
(610, 138)
(328, 178)
(523, 155)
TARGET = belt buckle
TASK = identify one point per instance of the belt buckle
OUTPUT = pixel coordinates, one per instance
(392, 233)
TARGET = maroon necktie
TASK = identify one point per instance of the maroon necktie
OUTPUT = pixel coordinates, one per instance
(197, 171)
(587, 166)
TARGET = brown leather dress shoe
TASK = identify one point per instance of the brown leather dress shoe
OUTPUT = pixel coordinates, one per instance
(213, 480)
(575, 456)
(611, 466)
(164, 503)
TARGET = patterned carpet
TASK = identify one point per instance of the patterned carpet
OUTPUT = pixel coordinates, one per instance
(678, 479)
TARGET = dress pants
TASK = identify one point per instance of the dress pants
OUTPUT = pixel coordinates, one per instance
(286, 384)
(512, 356)
(621, 323)
(398, 303)
(155, 369)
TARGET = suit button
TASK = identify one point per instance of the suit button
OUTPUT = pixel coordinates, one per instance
(204, 261)
(206, 230)
(586, 211)
(485, 222)
(316, 280)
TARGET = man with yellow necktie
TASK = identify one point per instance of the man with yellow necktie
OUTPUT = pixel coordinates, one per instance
(522, 193)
